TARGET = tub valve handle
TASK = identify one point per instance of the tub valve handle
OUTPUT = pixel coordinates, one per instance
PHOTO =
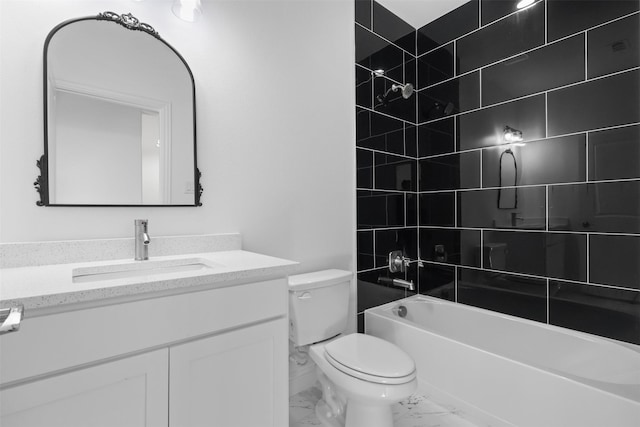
(398, 263)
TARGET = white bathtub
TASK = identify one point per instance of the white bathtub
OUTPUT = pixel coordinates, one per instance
(508, 371)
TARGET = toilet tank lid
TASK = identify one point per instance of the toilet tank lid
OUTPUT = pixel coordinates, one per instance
(318, 279)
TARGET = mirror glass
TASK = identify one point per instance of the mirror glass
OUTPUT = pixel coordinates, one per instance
(119, 117)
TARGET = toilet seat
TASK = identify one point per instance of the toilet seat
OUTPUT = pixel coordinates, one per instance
(370, 359)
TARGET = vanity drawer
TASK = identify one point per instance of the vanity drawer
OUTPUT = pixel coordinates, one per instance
(67, 340)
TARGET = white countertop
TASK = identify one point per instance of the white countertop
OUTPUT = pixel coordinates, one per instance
(51, 286)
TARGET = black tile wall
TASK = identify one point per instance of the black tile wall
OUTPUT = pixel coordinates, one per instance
(438, 209)
(547, 161)
(365, 250)
(605, 207)
(437, 281)
(363, 12)
(484, 128)
(456, 95)
(479, 209)
(549, 232)
(448, 27)
(595, 104)
(613, 47)
(548, 67)
(379, 132)
(614, 259)
(375, 53)
(435, 66)
(614, 153)
(609, 312)
(386, 152)
(450, 246)
(517, 33)
(436, 137)
(505, 293)
(569, 17)
(449, 172)
(393, 28)
(492, 10)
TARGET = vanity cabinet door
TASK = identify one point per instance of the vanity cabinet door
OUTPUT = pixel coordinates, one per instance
(130, 392)
(235, 379)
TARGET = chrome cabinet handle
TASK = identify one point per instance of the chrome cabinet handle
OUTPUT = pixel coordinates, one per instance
(11, 318)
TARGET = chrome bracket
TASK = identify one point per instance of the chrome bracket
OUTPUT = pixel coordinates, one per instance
(10, 319)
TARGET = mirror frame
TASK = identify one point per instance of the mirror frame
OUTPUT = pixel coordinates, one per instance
(129, 22)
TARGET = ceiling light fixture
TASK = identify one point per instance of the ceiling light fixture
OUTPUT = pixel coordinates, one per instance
(187, 10)
(522, 4)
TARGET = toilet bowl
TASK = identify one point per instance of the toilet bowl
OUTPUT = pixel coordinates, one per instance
(367, 374)
(361, 375)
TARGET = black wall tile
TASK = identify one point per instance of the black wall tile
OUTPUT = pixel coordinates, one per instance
(364, 168)
(614, 153)
(364, 87)
(450, 172)
(452, 246)
(437, 281)
(546, 161)
(372, 294)
(361, 327)
(437, 209)
(393, 103)
(456, 95)
(614, 47)
(556, 255)
(435, 66)
(608, 312)
(363, 12)
(479, 209)
(410, 140)
(410, 70)
(395, 173)
(379, 209)
(365, 250)
(492, 10)
(375, 53)
(484, 128)
(595, 104)
(448, 27)
(517, 33)
(518, 296)
(613, 260)
(603, 207)
(379, 132)
(404, 239)
(393, 28)
(412, 209)
(436, 138)
(548, 67)
(568, 17)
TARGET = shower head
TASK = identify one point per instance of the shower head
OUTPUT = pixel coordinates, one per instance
(406, 90)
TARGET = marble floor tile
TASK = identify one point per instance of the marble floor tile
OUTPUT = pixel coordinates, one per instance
(416, 411)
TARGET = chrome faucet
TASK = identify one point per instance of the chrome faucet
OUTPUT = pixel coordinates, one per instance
(142, 239)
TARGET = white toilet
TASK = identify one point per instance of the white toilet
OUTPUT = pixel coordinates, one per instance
(361, 375)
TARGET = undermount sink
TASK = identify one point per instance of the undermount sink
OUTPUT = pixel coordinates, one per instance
(140, 268)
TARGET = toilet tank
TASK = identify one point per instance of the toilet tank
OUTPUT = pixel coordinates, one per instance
(318, 305)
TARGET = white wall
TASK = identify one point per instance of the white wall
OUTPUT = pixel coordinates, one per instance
(275, 96)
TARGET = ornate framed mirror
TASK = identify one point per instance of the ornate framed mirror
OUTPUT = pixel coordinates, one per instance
(119, 117)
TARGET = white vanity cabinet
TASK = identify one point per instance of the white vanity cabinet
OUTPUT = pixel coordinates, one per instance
(233, 378)
(127, 392)
(213, 357)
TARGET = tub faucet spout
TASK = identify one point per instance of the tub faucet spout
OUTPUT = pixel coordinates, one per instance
(142, 239)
